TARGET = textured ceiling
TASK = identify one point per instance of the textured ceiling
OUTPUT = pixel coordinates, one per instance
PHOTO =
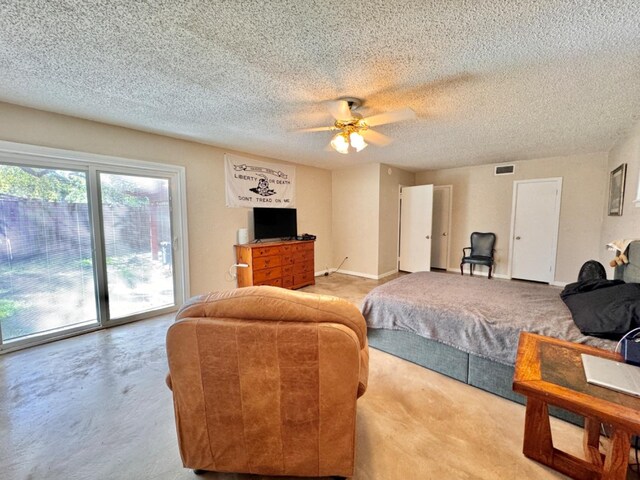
(491, 81)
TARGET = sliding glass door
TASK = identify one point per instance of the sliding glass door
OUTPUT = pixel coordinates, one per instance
(85, 247)
(136, 225)
(46, 262)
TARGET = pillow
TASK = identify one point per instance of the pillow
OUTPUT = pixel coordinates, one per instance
(601, 309)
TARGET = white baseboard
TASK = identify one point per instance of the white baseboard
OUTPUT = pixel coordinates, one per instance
(387, 274)
(559, 284)
(366, 275)
(321, 273)
(358, 274)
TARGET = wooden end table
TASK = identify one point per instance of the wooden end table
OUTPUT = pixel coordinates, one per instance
(549, 372)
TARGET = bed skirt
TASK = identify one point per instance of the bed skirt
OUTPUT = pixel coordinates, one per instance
(476, 371)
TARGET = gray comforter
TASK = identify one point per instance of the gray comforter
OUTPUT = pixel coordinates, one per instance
(473, 314)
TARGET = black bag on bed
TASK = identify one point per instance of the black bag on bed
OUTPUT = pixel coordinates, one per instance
(603, 308)
(592, 270)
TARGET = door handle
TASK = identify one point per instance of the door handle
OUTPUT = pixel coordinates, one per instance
(517, 238)
(444, 234)
(427, 237)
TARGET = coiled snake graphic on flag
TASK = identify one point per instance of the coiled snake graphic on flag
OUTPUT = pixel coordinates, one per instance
(263, 186)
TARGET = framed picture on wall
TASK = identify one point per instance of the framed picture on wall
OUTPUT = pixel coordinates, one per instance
(616, 189)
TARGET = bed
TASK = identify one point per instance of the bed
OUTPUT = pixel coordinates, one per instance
(468, 327)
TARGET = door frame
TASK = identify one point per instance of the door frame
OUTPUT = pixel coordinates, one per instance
(400, 187)
(46, 157)
(450, 188)
(554, 251)
(102, 289)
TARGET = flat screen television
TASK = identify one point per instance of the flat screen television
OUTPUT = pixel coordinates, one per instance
(274, 223)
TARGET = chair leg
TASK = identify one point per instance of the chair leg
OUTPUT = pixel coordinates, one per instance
(461, 271)
(471, 269)
(490, 268)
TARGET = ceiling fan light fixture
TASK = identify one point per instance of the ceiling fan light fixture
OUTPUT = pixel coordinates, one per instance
(357, 141)
(340, 143)
(352, 129)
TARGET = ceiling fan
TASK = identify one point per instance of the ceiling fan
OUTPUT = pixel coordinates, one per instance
(354, 131)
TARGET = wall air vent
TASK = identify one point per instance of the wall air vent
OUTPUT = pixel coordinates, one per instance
(505, 169)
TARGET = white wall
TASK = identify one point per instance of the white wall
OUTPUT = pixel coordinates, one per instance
(356, 217)
(627, 150)
(365, 218)
(482, 202)
(212, 226)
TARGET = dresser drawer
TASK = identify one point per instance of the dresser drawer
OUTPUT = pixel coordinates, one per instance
(267, 262)
(287, 281)
(306, 277)
(266, 251)
(303, 267)
(299, 247)
(285, 249)
(287, 270)
(276, 282)
(288, 259)
(260, 276)
(304, 256)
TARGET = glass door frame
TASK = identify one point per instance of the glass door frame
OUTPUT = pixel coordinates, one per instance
(59, 332)
(93, 164)
(100, 253)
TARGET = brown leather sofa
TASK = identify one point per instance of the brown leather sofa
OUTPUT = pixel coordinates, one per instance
(265, 381)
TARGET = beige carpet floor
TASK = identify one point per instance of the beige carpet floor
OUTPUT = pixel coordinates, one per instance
(96, 407)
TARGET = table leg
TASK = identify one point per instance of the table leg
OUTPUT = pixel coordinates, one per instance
(591, 441)
(538, 443)
(617, 456)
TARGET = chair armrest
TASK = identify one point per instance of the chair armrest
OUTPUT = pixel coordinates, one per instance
(465, 248)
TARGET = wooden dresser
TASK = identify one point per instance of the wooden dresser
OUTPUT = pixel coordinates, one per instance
(280, 264)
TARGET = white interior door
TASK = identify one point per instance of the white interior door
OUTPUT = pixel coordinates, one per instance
(441, 226)
(416, 209)
(534, 229)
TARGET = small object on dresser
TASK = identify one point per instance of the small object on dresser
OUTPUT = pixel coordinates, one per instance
(306, 236)
(243, 236)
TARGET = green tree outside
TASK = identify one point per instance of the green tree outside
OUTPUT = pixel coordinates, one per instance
(65, 186)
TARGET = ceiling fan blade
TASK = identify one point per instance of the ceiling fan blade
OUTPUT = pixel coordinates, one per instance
(376, 138)
(339, 109)
(315, 129)
(390, 117)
